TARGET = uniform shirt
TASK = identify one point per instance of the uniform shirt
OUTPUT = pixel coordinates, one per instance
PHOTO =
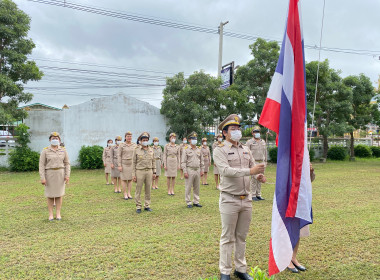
(191, 158)
(125, 152)
(157, 150)
(143, 159)
(234, 163)
(113, 154)
(172, 151)
(181, 147)
(206, 153)
(106, 155)
(258, 149)
(52, 159)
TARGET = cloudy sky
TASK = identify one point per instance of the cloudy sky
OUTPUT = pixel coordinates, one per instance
(86, 55)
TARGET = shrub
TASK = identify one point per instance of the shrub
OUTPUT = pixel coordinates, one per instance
(375, 151)
(362, 151)
(311, 154)
(247, 132)
(22, 158)
(258, 274)
(273, 154)
(90, 157)
(337, 153)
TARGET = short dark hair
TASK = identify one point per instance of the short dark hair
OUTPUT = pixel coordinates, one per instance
(226, 130)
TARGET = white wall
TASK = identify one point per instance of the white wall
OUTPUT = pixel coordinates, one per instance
(95, 121)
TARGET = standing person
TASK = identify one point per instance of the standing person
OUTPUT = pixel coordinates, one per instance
(115, 173)
(172, 162)
(157, 150)
(124, 162)
(205, 150)
(182, 146)
(294, 265)
(219, 139)
(144, 169)
(235, 164)
(107, 161)
(192, 164)
(54, 169)
(259, 152)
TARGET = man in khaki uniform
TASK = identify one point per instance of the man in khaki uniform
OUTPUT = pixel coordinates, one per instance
(219, 140)
(235, 164)
(192, 165)
(182, 146)
(259, 152)
(143, 171)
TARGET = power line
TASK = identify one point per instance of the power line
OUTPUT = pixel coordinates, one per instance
(184, 26)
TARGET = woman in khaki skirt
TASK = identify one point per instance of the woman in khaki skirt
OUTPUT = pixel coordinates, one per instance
(157, 150)
(171, 162)
(115, 173)
(107, 160)
(205, 150)
(54, 169)
(216, 171)
(124, 159)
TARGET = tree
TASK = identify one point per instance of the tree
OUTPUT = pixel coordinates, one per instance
(15, 68)
(333, 100)
(362, 111)
(190, 104)
(252, 80)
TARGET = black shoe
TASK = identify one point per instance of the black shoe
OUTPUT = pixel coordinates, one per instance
(138, 211)
(197, 205)
(148, 209)
(259, 198)
(242, 276)
(189, 206)
(255, 198)
(294, 270)
(126, 198)
(299, 267)
(224, 277)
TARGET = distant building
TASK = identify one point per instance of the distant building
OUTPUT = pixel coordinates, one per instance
(93, 122)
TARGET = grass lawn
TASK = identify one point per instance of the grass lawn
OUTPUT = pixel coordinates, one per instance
(101, 237)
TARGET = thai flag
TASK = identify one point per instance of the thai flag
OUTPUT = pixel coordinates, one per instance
(285, 113)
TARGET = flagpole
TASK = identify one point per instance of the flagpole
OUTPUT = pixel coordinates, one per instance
(316, 83)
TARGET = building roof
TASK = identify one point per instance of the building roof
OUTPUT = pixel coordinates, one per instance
(39, 107)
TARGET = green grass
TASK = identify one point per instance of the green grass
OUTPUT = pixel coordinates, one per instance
(101, 236)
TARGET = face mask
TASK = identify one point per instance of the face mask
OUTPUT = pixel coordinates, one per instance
(145, 143)
(118, 142)
(205, 143)
(54, 142)
(256, 135)
(184, 141)
(194, 141)
(235, 135)
(110, 144)
(155, 143)
(220, 139)
(172, 140)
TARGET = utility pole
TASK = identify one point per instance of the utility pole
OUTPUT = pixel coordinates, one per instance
(220, 30)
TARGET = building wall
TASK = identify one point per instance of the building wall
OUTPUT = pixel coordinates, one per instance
(95, 121)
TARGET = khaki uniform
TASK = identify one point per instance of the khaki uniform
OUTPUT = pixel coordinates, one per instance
(107, 161)
(206, 158)
(157, 150)
(235, 203)
(54, 167)
(214, 145)
(171, 159)
(124, 159)
(144, 165)
(115, 173)
(259, 153)
(181, 147)
(192, 163)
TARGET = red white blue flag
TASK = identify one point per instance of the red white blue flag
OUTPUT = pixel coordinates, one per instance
(285, 113)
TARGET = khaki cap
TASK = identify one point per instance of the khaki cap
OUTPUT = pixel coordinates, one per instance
(118, 138)
(231, 119)
(128, 133)
(256, 128)
(156, 139)
(219, 135)
(144, 135)
(192, 135)
(204, 139)
(55, 134)
(172, 135)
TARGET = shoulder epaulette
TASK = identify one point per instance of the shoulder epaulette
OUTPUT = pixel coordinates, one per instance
(46, 147)
(221, 144)
(185, 147)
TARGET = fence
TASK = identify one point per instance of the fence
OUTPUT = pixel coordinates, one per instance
(7, 144)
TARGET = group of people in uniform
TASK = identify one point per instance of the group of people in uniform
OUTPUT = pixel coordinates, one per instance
(238, 173)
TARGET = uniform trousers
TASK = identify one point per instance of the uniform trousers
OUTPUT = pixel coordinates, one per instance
(255, 184)
(236, 217)
(192, 182)
(144, 177)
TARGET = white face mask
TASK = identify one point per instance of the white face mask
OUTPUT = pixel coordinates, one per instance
(54, 142)
(256, 135)
(144, 143)
(220, 139)
(110, 144)
(194, 141)
(205, 143)
(118, 142)
(235, 135)
(155, 143)
(172, 140)
(184, 141)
